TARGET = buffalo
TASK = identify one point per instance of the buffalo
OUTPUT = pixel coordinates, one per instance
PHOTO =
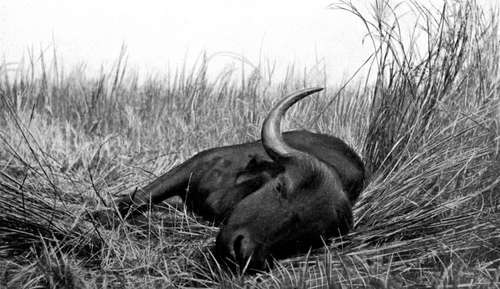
(284, 194)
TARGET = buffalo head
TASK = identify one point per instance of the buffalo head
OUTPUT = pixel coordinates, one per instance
(298, 209)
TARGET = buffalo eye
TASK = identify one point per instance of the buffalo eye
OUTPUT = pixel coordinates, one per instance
(280, 188)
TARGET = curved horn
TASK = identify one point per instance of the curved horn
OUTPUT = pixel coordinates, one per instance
(272, 139)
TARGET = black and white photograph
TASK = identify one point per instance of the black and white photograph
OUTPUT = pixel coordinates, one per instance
(249, 144)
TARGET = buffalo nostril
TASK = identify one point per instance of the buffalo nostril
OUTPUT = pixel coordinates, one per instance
(237, 248)
(243, 248)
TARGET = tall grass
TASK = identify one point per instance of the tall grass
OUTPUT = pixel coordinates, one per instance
(428, 130)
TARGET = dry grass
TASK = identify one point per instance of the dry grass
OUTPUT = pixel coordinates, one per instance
(428, 130)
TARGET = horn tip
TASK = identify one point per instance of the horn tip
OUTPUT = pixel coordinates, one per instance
(314, 89)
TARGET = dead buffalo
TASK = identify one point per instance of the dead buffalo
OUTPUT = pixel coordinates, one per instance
(282, 194)
(308, 201)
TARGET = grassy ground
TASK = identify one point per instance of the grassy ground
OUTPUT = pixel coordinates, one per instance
(428, 130)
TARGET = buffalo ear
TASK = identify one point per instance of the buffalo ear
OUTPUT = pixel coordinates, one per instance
(260, 164)
(255, 163)
(252, 171)
(258, 171)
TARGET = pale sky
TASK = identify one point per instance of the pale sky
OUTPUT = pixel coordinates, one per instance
(160, 34)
